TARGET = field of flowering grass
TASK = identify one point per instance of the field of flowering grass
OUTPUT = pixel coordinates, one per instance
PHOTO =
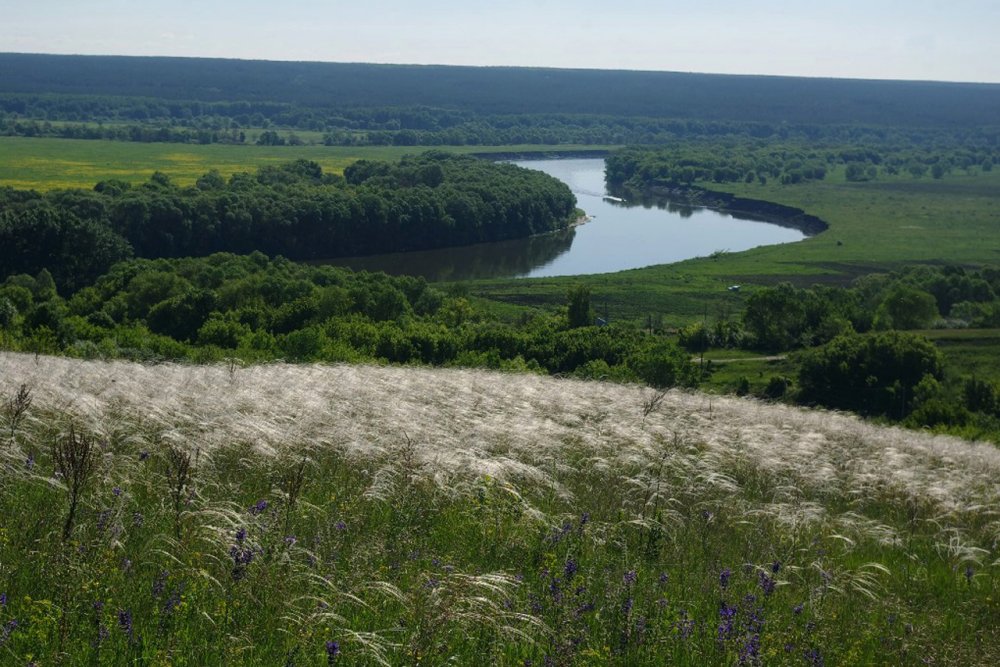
(349, 515)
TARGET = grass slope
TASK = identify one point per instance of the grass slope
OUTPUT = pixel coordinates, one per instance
(414, 516)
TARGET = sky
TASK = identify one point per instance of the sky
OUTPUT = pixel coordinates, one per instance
(957, 40)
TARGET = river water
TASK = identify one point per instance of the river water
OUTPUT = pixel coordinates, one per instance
(618, 236)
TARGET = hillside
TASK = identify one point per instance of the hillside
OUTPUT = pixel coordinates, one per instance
(504, 90)
(479, 517)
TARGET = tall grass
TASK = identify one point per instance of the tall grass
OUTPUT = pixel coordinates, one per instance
(315, 515)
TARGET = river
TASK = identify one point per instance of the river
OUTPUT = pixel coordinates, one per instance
(618, 236)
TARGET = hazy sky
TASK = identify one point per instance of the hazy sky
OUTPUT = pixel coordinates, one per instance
(957, 40)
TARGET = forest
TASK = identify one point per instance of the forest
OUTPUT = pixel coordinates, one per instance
(217, 101)
(293, 210)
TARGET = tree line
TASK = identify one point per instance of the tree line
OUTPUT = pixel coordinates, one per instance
(750, 161)
(257, 309)
(295, 210)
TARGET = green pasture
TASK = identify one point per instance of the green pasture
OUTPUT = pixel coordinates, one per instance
(50, 164)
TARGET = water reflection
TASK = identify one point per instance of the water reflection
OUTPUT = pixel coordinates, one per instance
(503, 259)
(621, 235)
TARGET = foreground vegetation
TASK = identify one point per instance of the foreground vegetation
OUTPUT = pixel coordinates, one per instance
(358, 515)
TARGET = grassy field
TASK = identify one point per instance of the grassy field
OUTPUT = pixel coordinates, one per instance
(48, 164)
(361, 515)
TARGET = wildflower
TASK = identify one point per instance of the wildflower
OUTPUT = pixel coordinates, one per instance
(125, 622)
(814, 658)
(117, 491)
(160, 583)
(126, 565)
(290, 540)
(767, 583)
(30, 462)
(102, 520)
(340, 525)
(98, 606)
(776, 566)
(241, 535)
(724, 578)
(627, 606)
(569, 570)
(3, 599)
(969, 573)
(584, 519)
(258, 508)
(6, 630)
(173, 600)
(750, 652)
(143, 455)
(630, 577)
(797, 609)
(726, 616)
(332, 650)
(664, 578)
(138, 519)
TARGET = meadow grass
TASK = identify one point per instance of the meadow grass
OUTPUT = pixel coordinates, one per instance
(317, 515)
(49, 164)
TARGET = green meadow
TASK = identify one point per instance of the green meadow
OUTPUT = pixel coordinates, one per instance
(50, 164)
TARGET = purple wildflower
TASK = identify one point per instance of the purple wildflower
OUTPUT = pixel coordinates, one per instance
(776, 566)
(290, 540)
(30, 462)
(6, 630)
(814, 658)
(627, 606)
(117, 491)
(724, 578)
(726, 616)
(332, 651)
(584, 519)
(143, 455)
(102, 520)
(241, 535)
(173, 600)
(797, 609)
(3, 599)
(137, 519)
(340, 525)
(663, 578)
(569, 570)
(750, 653)
(630, 577)
(160, 583)
(258, 508)
(126, 565)
(969, 573)
(767, 583)
(125, 622)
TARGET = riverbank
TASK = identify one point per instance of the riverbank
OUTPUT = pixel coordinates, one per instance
(694, 196)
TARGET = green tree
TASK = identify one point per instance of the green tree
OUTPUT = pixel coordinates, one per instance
(906, 307)
(873, 374)
(579, 313)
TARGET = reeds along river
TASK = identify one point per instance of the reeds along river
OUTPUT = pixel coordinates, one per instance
(619, 235)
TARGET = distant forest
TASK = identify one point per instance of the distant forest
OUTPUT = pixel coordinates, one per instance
(210, 100)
